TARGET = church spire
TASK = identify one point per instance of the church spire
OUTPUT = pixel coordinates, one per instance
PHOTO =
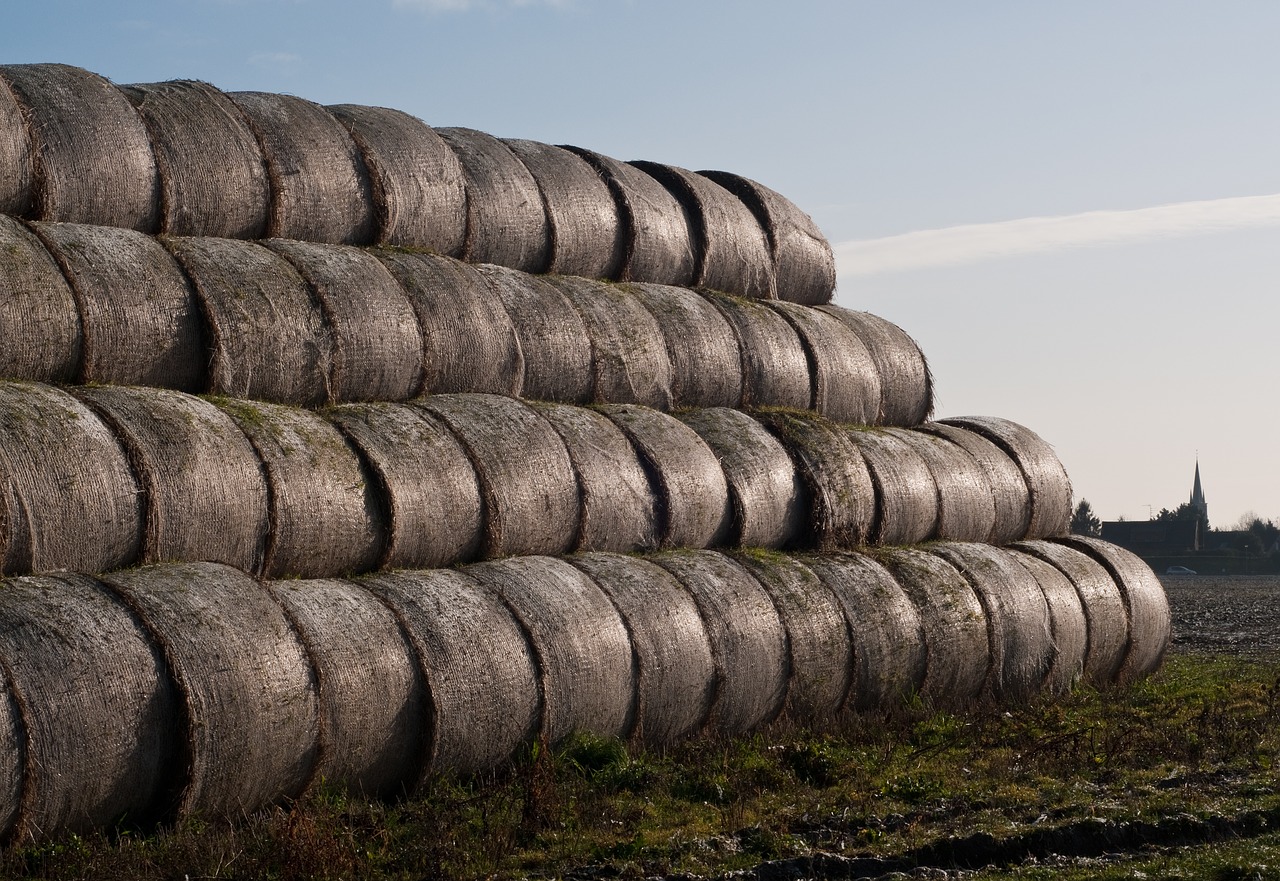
(1197, 494)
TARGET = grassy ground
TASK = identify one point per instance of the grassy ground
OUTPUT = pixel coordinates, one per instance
(1174, 778)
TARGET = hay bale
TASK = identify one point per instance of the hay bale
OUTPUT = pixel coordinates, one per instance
(527, 482)
(244, 683)
(770, 505)
(906, 383)
(468, 340)
(506, 220)
(885, 630)
(320, 189)
(429, 488)
(706, 364)
(906, 494)
(1046, 479)
(748, 639)
(92, 155)
(213, 177)
(266, 333)
(658, 237)
(12, 757)
(100, 718)
(40, 337)
(419, 196)
(846, 384)
(775, 368)
(377, 344)
(732, 249)
(1067, 618)
(202, 485)
(483, 694)
(71, 499)
(690, 486)
(674, 669)
(557, 366)
(966, 505)
(140, 321)
(373, 701)
(629, 360)
(16, 161)
(619, 506)
(803, 265)
(1009, 493)
(585, 225)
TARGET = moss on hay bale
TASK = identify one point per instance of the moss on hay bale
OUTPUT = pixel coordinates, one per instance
(40, 335)
(906, 383)
(846, 384)
(706, 364)
(775, 368)
(966, 505)
(1067, 617)
(906, 494)
(1009, 493)
(16, 172)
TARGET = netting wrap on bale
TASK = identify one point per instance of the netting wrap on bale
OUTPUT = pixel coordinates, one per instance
(706, 365)
(40, 336)
(775, 368)
(966, 507)
(1067, 617)
(15, 157)
(1009, 493)
(906, 494)
(906, 384)
(846, 383)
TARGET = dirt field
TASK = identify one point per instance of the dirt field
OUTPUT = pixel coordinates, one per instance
(1236, 614)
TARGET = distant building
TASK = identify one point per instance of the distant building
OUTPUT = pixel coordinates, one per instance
(1199, 505)
(1163, 538)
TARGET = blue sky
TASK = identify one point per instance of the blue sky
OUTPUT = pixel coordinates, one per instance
(1129, 338)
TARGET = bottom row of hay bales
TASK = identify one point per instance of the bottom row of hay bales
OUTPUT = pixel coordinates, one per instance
(149, 694)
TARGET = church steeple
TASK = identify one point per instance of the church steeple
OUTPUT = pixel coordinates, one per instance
(1197, 495)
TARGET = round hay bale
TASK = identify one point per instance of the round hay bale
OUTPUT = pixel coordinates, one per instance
(629, 360)
(72, 500)
(1009, 493)
(846, 384)
(557, 366)
(819, 643)
(906, 383)
(887, 636)
(582, 647)
(468, 340)
(732, 250)
(377, 344)
(1150, 623)
(92, 155)
(1047, 480)
(16, 179)
(1067, 617)
(244, 682)
(586, 228)
(619, 505)
(1018, 623)
(12, 757)
(1103, 602)
(961, 660)
(266, 334)
(506, 220)
(803, 265)
(748, 639)
(527, 482)
(40, 336)
(966, 506)
(320, 190)
(692, 493)
(326, 514)
(841, 497)
(658, 237)
(140, 321)
(213, 177)
(674, 670)
(770, 505)
(706, 364)
(202, 484)
(906, 494)
(483, 689)
(419, 194)
(429, 488)
(100, 718)
(775, 368)
(373, 699)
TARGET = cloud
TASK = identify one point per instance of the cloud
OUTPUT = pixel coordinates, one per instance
(977, 242)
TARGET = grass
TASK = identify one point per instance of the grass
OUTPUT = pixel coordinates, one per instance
(1173, 778)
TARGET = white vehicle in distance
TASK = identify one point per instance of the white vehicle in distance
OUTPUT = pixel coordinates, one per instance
(1179, 570)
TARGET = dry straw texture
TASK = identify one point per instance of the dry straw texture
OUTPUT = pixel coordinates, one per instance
(39, 318)
(846, 383)
(12, 757)
(1066, 614)
(213, 178)
(906, 385)
(1009, 493)
(15, 156)
(775, 368)
(706, 364)
(966, 506)
(906, 494)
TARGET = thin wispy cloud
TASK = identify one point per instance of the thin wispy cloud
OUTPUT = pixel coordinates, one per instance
(977, 242)
(467, 5)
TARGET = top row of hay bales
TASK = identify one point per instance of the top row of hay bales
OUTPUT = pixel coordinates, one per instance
(184, 158)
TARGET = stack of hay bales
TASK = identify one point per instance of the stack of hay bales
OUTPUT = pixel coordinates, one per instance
(588, 449)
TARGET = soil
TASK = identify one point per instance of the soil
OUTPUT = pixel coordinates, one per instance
(1232, 614)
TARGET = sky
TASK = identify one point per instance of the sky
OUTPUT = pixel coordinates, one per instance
(1074, 207)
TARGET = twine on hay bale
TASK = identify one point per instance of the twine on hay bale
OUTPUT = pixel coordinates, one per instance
(419, 197)
(266, 333)
(1009, 491)
(377, 344)
(846, 383)
(40, 335)
(428, 485)
(71, 499)
(906, 383)
(16, 170)
(91, 152)
(966, 505)
(1067, 617)
(140, 321)
(202, 484)
(906, 494)
(706, 364)
(586, 228)
(775, 369)
(244, 682)
(674, 670)
(320, 190)
(213, 177)
(506, 220)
